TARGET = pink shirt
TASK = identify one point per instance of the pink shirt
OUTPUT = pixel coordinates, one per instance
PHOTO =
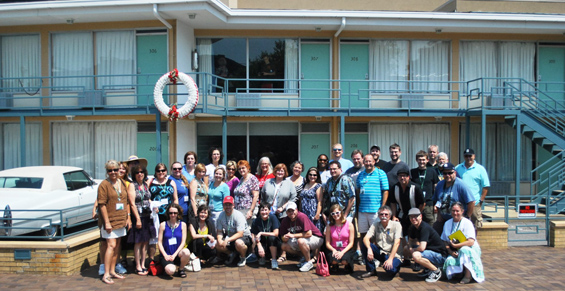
(340, 234)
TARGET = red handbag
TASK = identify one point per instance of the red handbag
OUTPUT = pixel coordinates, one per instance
(155, 269)
(322, 267)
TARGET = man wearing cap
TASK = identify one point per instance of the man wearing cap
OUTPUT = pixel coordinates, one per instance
(357, 158)
(476, 178)
(405, 195)
(233, 234)
(339, 189)
(337, 154)
(427, 178)
(300, 236)
(376, 152)
(381, 244)
(394, 165)
(425, 246)
(451, 189)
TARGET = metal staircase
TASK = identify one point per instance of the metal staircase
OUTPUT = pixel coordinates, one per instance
(542, 119)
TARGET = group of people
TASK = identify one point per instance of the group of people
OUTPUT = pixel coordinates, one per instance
(367, 210)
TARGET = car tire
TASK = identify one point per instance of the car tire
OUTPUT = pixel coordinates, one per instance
(50, 231)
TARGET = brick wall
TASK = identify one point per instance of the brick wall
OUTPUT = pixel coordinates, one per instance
(557, 233)
(493, 235)
(51, 257)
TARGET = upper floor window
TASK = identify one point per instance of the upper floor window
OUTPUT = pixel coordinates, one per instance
(20, 63)
(77, 56)
(266, 62)
(396, 63)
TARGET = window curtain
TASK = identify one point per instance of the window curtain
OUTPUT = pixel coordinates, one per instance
(20, 59)
(115, 53)
(73, 145)
(411, 138)
(517, 60)
(204, 48)
(389, 63)
(113, 140)
(475, 144)
(72, 56)
(478, 60)
(291, 65)
(12, 146)
(429, 62)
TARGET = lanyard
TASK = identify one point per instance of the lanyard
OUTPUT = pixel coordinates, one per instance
(268, 228)
(452, 231)
(422, 179)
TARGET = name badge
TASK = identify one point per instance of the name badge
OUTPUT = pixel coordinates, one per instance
(119, 206)
(185, 198)
(211, 207)
(164, 201)
(173, 241)
(339, 244)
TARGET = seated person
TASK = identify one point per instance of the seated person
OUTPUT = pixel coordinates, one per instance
(340, 240)
(171, 241)
(464, 257)
(425, 246)
(380, 245)
(300, 236)
(265, 235)
(232, 233)
(202, 241)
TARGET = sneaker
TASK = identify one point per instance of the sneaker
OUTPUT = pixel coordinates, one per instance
(101, 270)
(241, 262)
(231, 258)
(262, 261)
(252, 258)
(120, 269)
(434, 276)
(416, 267)
(406, 263)
(424, 273)
(306, 267)
(274, 264)
(301, 262)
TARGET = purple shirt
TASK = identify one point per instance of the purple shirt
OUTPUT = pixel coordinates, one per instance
(301, 224)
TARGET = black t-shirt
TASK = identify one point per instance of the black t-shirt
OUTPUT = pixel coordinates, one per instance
(426, 180)
(404, 197)
(428, 234)
(380, 164)
(260, 225)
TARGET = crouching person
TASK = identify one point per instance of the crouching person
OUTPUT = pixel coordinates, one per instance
(426, 246)
(233, 234)
(172, 237)
(381, 243)
(300, 236)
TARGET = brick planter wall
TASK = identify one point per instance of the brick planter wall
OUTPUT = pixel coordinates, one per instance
(493, 235)
(557, 233)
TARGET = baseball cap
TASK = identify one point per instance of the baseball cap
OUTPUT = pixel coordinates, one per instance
(291, 205)
(468, 152)
(448, 167)
(403, 170)
(414, 211)
(228, 199)
(375, 146)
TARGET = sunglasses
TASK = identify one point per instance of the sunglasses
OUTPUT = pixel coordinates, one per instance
(140, 172)
(383, 214)
(322, 160)
(337, 150)
(231, 169)
(177, 169)
(313, 175)
(448, 173)
(162, 171)
(335, 213)
(173, 213)
(112, 170)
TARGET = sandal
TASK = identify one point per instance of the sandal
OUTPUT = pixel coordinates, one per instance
(107, 280)
(118, 276)
(281, 259)
(141, 272)
(182, 274)
(465, 281)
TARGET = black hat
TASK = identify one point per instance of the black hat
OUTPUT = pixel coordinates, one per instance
(448, 167)
(468, 152)
(375, 146)
(403, 170)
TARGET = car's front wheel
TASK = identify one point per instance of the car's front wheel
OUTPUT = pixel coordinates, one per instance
(50, 231)
(6, 222)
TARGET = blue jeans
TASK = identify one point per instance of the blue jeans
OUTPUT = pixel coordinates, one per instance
(434, 257)
(370, 265)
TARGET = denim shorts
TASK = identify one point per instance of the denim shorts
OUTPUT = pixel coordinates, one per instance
(434, 257)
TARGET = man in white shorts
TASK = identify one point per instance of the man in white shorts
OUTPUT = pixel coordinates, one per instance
(372, 190)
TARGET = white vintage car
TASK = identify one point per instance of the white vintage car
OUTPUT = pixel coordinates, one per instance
(35, 197)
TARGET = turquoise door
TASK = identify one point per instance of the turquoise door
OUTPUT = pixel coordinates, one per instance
(146, 148)
(552, 69)
(354, 65)
(311, 146)
(151, 59)
(315, 65)
(355, 141)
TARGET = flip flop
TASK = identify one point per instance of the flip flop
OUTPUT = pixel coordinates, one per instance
(141, 272)
(182, 274)
(281, 259)
(107, 280)
(118, 276)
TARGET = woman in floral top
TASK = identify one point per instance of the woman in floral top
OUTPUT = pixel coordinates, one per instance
(247, 191)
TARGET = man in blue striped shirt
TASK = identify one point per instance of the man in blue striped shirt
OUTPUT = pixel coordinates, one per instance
(372, 189)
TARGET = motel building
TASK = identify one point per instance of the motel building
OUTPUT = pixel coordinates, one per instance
(286, 79)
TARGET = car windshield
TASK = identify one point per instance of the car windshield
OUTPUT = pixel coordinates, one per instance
(21, 182)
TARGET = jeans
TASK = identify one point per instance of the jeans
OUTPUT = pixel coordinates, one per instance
(370, 265)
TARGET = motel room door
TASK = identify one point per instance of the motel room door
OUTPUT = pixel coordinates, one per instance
(354, 65)
(151, 59)
(315, 65)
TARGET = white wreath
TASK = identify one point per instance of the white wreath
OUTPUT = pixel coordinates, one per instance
(172, 113)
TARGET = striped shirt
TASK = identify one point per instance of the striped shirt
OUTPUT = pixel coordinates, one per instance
(371, 185)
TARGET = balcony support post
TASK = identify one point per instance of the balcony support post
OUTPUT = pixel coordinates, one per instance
(518, 156)
(158, 137)
(22, 141)
(225, 138)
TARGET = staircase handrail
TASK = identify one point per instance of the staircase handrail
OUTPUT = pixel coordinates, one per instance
(550, 179)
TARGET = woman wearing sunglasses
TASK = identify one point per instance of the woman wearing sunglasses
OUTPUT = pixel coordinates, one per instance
(311, 198)
(339, 240)
(162, 190)
(172, 238)
(182, 188)
(141, 234)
